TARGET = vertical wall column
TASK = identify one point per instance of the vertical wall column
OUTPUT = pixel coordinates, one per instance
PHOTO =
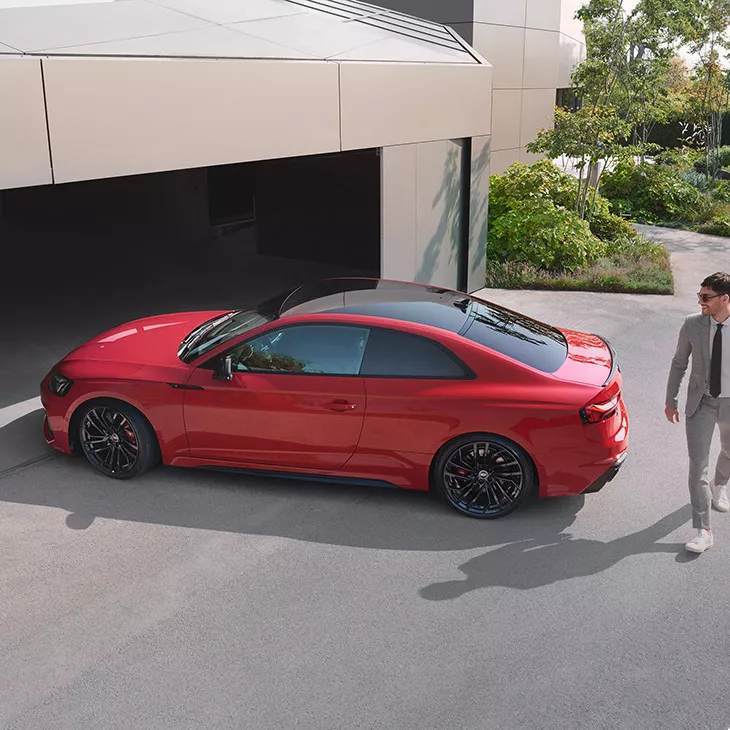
(479, 212)
(422, 211)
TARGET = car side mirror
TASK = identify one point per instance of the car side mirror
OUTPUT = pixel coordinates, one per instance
(223, 368)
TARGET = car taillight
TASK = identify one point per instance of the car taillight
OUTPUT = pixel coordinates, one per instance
(600, 411)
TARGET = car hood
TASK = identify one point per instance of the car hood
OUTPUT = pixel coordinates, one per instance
(590, 360)
(148, 341)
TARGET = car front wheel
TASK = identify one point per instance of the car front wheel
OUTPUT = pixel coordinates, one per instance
(484, 476)
(117, 440)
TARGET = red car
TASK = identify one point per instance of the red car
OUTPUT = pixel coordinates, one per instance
(351, 380)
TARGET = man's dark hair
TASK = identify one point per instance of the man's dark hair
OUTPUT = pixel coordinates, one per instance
(719, 282)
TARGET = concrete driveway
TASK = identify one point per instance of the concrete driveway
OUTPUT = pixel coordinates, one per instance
(198, 600)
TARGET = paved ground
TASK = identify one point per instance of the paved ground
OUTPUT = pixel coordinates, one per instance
(196, 600)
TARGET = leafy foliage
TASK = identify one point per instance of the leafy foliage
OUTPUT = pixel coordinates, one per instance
(630, 265)
(545, 180)
(719, 226)
(536, 232)
(695, 179)
(536, 240)
(682, 158)
(654, 193)
(720, 157)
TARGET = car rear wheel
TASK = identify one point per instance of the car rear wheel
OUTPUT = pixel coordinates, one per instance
(484, 476)
(117, 440)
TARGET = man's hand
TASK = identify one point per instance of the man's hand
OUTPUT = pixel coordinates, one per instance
(672, 414)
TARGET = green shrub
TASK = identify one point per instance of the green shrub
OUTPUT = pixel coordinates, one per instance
(606, 225)
(719, 226)
(695, 179)
(720, 191)
(723, 155)
(546, 181)
(635, 248)
(682, 158)
(652, 193)
(536, 232)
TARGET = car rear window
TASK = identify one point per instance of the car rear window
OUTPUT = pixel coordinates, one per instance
(517, 336)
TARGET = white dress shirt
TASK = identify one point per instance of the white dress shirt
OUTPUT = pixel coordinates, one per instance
(725, 370)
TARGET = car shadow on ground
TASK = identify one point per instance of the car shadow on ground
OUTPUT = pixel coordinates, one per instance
(532, 545)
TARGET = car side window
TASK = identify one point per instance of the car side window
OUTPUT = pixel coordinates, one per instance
(304, 349)
(395, 354)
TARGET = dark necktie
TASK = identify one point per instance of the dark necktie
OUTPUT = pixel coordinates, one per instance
(716, 363)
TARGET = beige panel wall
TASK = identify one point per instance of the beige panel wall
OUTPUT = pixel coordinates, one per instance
(438, 213)
(398, 212)
(390, 104)
(507, 108)
(421, 212)
(542, 49)
(500, 12)
(571, 53)
(568, 24)
(24, 156)
(121, 117)
(478, 212)
(534, 46)
(537, 112)
(504, 47)
(502, 159)
(544, 14)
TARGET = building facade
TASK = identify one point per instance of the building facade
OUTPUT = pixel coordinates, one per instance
(326, 130)
(345, 133)
(532, 45)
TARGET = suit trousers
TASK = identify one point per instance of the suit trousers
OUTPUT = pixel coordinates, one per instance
(700, 427)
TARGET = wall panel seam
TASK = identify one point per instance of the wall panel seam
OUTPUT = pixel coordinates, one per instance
(48, 124)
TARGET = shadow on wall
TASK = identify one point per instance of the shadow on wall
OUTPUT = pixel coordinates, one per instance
(479, 212)
(442, 251)
(445, 241)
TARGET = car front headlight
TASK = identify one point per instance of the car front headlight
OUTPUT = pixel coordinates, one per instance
(59, 384)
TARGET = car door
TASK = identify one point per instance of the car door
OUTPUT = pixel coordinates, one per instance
(415, 393)
(295, 400)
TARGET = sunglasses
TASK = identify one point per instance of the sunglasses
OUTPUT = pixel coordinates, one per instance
(707, 297)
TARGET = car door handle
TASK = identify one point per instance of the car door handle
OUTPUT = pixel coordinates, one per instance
(341, 406)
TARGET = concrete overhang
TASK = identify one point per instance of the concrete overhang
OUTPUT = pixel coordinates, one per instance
(105, 89)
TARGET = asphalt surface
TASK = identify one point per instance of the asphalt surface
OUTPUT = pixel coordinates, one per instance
(197, 600)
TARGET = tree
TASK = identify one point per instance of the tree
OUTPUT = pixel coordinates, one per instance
(709, 92)
(589, 136)
(623, 83)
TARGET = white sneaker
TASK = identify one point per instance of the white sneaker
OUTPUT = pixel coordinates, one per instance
(702, 541)
(719, 497)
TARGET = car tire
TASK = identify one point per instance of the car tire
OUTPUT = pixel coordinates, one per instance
(483, 475)
(117, 440)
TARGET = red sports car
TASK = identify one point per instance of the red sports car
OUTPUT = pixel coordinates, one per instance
(351, 380)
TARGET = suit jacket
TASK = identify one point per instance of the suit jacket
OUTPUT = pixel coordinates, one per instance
(694, 339)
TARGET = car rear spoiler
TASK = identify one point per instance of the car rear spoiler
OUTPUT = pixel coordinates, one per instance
(614, 359)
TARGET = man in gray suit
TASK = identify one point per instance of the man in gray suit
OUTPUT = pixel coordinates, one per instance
(706, 337)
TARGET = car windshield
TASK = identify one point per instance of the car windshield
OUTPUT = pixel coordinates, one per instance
(219, 330)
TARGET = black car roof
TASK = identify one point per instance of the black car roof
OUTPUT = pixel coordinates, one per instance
(407, 301)
(513, 334)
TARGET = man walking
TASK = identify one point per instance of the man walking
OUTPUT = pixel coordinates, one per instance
(706, 337)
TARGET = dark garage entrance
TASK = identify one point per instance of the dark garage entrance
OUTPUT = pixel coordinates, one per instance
(81, 257)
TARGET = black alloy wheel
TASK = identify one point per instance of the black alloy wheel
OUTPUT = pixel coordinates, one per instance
(485, 477)
(117, 440)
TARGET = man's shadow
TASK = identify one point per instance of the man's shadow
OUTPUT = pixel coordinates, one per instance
(526, 564)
